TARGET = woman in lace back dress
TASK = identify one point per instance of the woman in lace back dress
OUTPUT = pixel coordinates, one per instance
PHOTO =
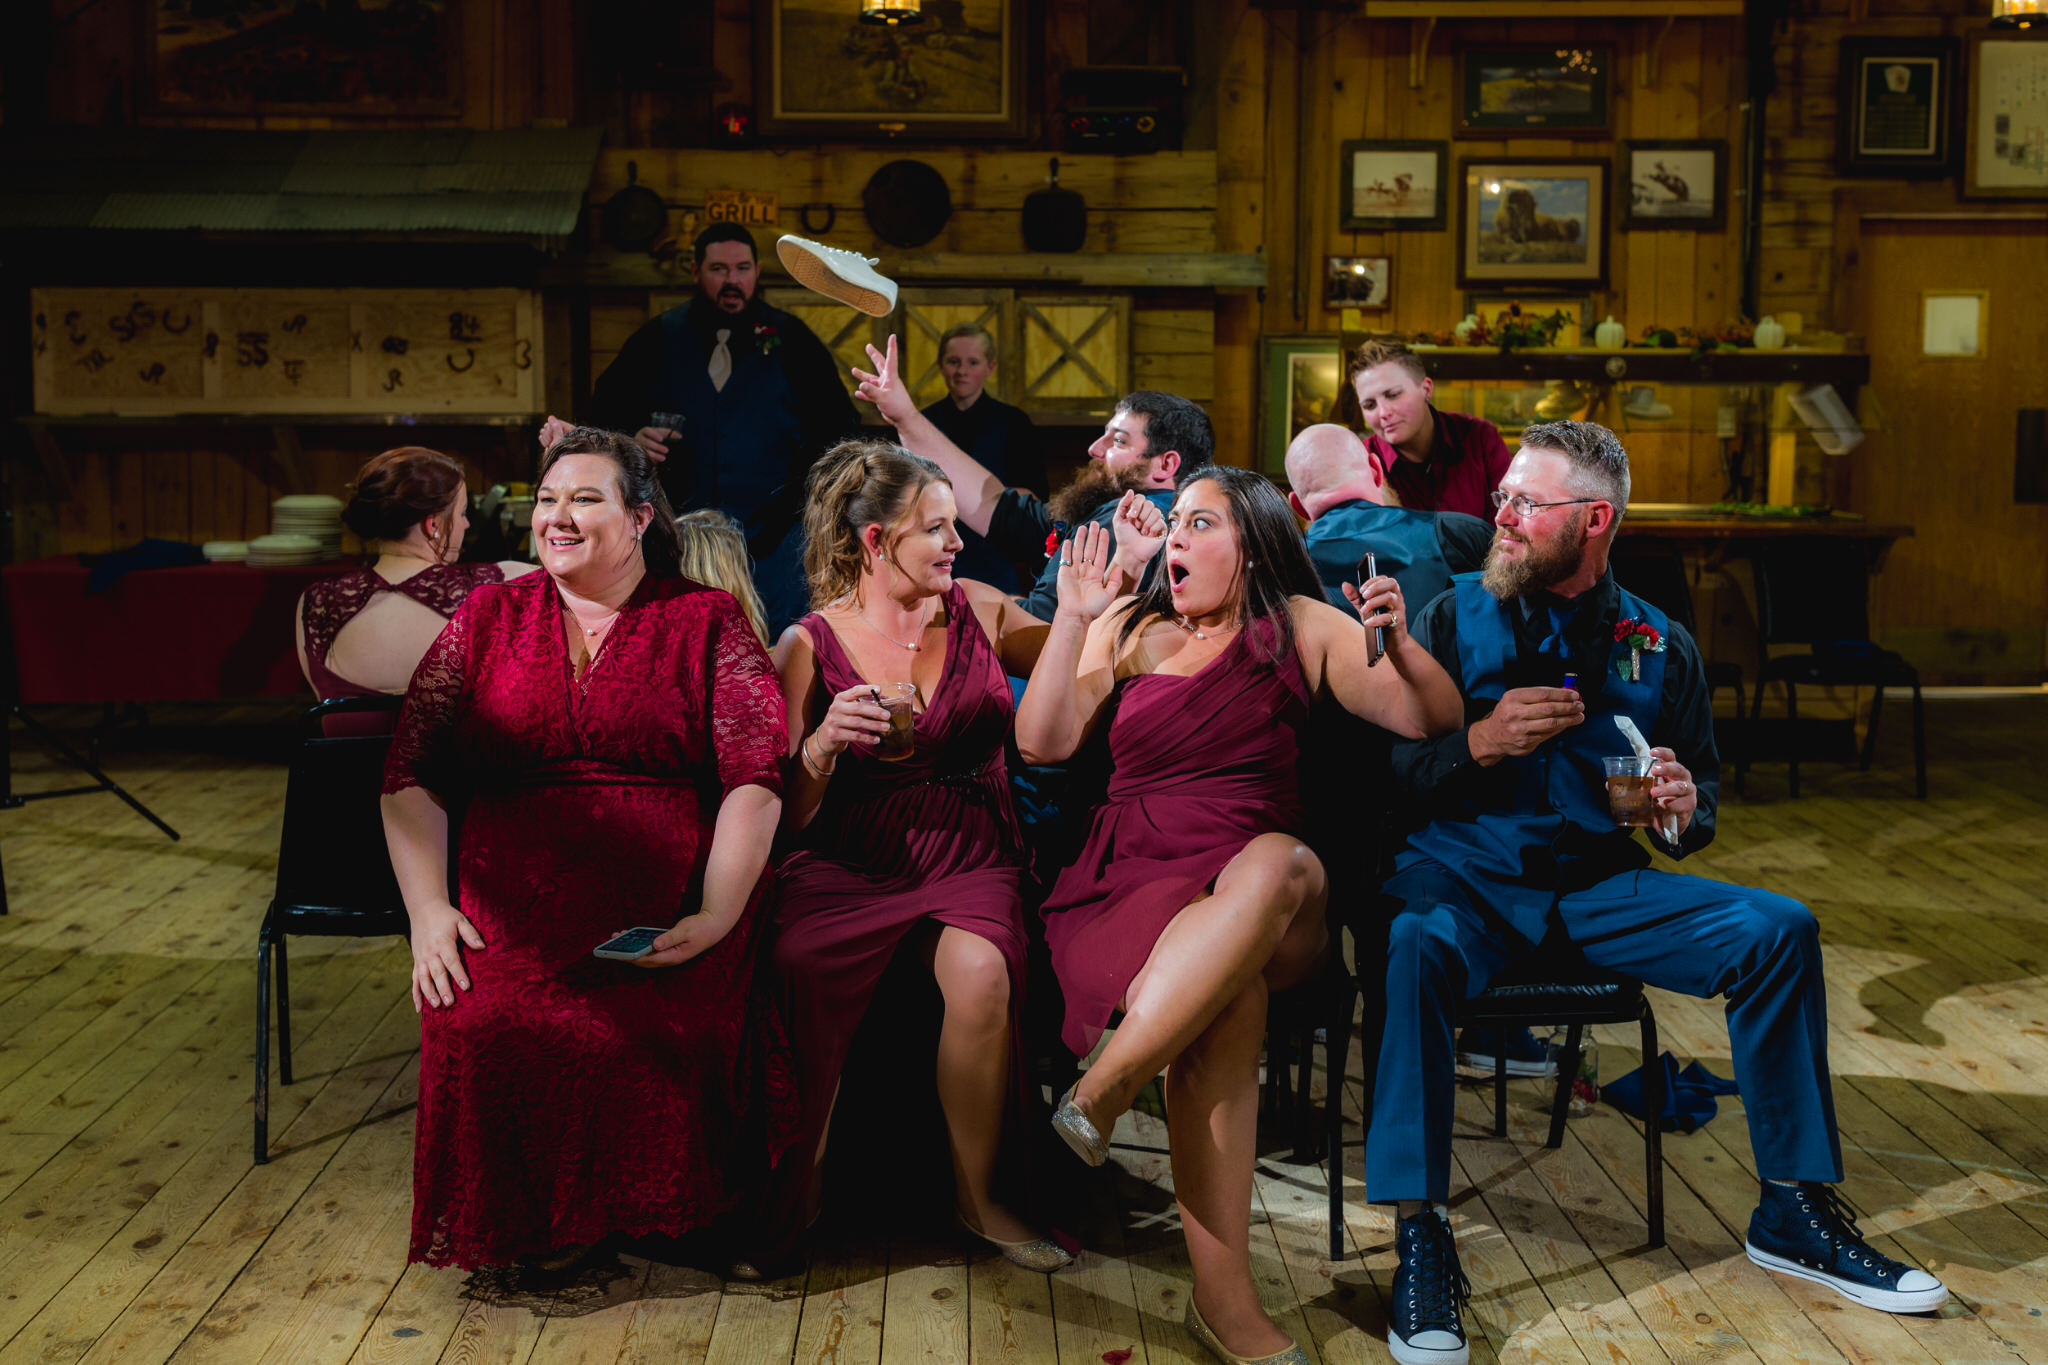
(1194, 895)
(919, 854)
(363, 633)
(614, 735)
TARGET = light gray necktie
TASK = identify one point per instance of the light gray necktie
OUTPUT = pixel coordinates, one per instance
(721, 360)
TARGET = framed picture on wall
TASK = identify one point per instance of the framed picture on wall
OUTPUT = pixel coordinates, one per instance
(1299, 375)
(1675, 185)
(1896, 107)
(1533, 91)
(1532, 221)
(1393, 186)
(2006, 149)
(1362, 282)
(379, 58)
(820, 72)
(1578, 306)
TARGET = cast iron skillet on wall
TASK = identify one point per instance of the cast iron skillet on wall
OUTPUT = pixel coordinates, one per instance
(906, 203)
(1054, 219)
(635, 216)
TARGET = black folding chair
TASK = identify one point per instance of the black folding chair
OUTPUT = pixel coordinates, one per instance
(1655, 571)
(334, 876)
(1817, 593)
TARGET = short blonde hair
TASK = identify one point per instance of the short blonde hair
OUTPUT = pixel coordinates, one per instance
(1376, 353)
(714, 553)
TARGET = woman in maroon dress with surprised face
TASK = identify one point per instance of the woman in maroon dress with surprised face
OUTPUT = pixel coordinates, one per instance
(614, 734)
(1194, 894)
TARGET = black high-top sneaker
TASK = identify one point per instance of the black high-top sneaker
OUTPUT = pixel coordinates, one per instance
(1810, 1231)
(1429, 1288)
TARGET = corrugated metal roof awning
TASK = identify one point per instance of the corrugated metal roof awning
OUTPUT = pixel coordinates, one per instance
(520, 184)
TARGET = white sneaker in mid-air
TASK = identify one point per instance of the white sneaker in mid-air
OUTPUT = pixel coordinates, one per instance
(846, 276)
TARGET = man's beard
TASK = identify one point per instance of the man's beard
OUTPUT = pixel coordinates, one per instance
(713, 299)
(1095, 485)
(1543, 563)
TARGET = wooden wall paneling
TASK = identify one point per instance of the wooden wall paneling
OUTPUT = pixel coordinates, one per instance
(1075, 351)
(85, 520)
(976, 178)
(1174, 349)
(1239, 178)
(615, 317)
(847, 334)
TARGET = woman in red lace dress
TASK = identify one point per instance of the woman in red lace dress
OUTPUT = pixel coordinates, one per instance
(919, 854)
(363, 633)
(614, 732)
(1194, 894)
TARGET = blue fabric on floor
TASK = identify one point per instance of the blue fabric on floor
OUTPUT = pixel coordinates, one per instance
(1688, 1094)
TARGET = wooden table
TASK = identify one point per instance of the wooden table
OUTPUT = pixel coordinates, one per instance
(1718, 537)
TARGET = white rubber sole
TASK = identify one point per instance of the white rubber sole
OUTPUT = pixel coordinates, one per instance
(1424, 1355)
(1884, 1300)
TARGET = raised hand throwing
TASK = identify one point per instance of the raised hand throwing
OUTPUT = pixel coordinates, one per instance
(885, 388)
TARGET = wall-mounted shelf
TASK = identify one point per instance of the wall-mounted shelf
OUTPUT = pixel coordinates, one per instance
(1109, 270)
(1844, 371)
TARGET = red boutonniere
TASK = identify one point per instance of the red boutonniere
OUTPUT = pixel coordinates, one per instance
(766, 338)
(1052, 539)
(1641, 638)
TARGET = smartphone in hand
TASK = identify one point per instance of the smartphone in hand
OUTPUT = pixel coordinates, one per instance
(1369, 569)
(630, 946)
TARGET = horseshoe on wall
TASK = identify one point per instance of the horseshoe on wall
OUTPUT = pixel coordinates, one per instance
(804, 217)
(450, 358)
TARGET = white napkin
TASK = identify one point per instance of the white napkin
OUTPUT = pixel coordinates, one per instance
(1642, 747)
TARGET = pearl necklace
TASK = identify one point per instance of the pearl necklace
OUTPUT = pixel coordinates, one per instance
(1199, 634)
(914, 646)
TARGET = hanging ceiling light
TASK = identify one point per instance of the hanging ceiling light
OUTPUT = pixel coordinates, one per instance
(2019, 13)
(890, 12)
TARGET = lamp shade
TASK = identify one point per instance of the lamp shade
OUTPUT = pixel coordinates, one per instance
(890, 12)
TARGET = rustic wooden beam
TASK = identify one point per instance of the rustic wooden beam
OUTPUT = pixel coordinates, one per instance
(1115, 270)
(1550, 9)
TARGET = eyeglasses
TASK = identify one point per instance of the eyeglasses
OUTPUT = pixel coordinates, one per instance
(1523, 507)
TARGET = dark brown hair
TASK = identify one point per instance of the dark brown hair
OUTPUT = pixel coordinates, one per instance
(660, 546)
(399, 489)
(1273, 559)
(853, 484)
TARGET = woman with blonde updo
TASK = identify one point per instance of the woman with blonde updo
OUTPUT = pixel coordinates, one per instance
(919, 853)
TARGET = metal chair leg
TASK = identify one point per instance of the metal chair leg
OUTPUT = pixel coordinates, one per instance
(1653, 1130)
(284, 1011)
(1919, 743)
(1870, 732)
(1500, 1082)
(1740, 734)
(1336, 1051)
(1567, 1073)
(1792, 736)
(263, 1043)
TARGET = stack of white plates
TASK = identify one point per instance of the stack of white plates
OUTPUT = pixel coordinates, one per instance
(309, 514)
(225, 551)
(270, 551)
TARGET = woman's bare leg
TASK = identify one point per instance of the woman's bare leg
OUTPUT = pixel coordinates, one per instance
(974, 1071)
(1212, 1116)
(1204, 960)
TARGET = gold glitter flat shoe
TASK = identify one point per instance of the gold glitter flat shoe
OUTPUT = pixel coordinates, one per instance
(1041, 1254)
(1199, 1330)
(1073, 1126)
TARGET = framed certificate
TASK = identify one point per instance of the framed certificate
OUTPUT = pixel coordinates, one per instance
(2006, 151)
(1897, 103)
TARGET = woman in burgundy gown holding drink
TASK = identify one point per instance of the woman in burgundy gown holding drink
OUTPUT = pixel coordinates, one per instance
(919, 852)
(615, 733)
(1193, 895)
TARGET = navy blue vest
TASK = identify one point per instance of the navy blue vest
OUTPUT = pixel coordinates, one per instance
(1524, 826)
(739, 441)
(1405, 542)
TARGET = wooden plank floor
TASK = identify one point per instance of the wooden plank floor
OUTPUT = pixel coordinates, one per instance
(134, 1228)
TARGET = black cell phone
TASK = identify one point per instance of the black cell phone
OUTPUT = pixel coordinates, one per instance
(1368, 569)
(629, 946)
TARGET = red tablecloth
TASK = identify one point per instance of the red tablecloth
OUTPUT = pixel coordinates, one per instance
(213, 630)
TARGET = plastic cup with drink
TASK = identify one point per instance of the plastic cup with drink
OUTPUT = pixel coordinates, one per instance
(896, 699)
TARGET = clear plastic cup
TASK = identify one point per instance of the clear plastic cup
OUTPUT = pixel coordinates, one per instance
(896, 699)
(1628, 792)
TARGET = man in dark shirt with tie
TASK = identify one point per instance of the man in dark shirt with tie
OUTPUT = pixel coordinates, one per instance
(749, 397)
(1436, 461)
(1521, 847)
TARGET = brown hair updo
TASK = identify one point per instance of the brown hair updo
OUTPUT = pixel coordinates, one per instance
(852, 484)
(399, 489)
(660, 547)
